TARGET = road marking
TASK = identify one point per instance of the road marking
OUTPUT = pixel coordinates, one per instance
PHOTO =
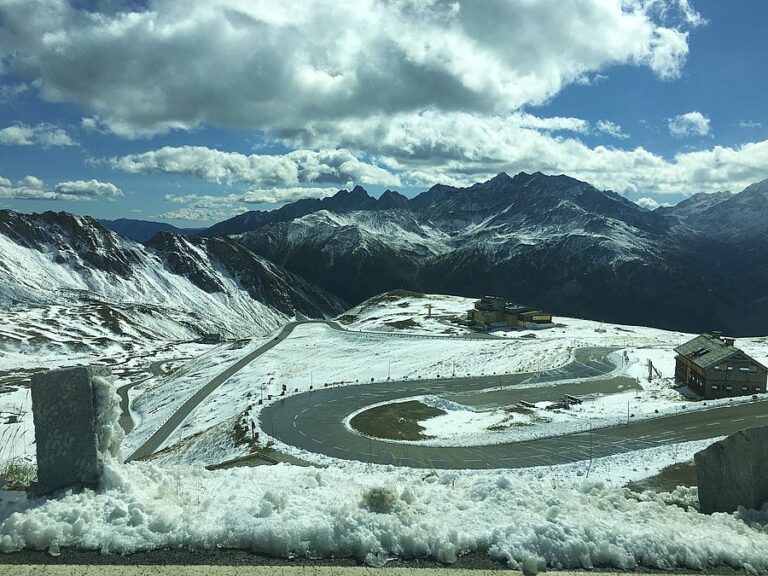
(690, 427)
(713, 423)
(737, 420)
(340, 448)
(762, 416)
(302, 433)
(316, 441)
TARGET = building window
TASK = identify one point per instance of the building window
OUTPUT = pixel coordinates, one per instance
(729, 387)
(714, 386)
(717, 367)
(758, 389)
(745, 388)
(730, 367)
(745, 368)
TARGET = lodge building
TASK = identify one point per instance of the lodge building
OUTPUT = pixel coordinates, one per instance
(714, 368)
(495, 312)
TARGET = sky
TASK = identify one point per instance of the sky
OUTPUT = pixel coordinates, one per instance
(191, 113)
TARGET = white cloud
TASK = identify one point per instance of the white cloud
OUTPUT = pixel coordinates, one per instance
(204, 208)
(88, 189)
(460, 148)
(750, 124)
(611, 129)
(10, 91)
(210, 207)
(299, 166)
(592, 80)
(688, 124)
(273, 64)
(647, 203)
(32, 188)
(668, 53)
(31, 182)
(284, 195)
(42, 135)
(90, 124)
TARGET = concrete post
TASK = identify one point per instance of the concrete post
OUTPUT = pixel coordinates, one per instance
(66, 428)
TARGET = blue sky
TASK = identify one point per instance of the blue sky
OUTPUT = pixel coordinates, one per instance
(157, 111)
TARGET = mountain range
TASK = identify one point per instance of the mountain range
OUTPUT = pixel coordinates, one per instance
(549, 241)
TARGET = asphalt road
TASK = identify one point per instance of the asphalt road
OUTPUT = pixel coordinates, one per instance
(153, 443)
(126, 421)
(177, 418)
(314, 421)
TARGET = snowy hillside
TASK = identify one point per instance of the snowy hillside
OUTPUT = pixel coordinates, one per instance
(65, 259)
(528, 518)
(351, 253)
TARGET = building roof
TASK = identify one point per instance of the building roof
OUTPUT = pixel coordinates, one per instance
(517, 309)
(707, 350)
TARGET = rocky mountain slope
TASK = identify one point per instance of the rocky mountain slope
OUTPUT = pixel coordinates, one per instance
(342, 202)
(352, 254)
(204, 285)
(550, 241)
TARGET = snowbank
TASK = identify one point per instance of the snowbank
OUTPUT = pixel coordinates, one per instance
(375, 516)
(109, 433)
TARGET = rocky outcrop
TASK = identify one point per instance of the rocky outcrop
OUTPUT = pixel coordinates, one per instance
(732, 472)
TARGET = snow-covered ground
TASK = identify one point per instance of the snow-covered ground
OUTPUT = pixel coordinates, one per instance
(157, 399)
(137, 343)
(461, 425)
(30, 275)
(576, 515)
(315, 355)
(519, 518)
(17, 431)
(404, 312)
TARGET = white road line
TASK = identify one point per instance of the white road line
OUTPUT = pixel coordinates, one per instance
(737, 420)
(316, 441)
(713, 423)
(302, 433)
(762, 416)
(690, 427)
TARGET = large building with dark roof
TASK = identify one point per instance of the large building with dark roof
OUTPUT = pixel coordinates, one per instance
(494, 312)
(714, 368)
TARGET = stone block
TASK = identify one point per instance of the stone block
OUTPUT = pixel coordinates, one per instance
(66, 428)
(732, 472)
